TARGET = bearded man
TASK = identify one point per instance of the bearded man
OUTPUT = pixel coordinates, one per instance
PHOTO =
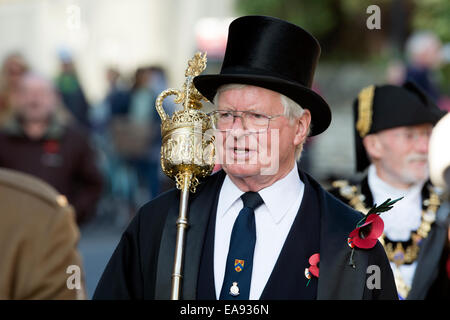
(392, 130)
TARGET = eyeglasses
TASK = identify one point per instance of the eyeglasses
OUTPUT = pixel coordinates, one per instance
(253, 122)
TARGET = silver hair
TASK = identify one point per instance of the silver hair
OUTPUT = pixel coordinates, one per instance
(292, 110)
(420, 41)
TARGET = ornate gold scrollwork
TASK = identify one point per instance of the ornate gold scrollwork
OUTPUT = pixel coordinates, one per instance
(187, 152)
(187, 145)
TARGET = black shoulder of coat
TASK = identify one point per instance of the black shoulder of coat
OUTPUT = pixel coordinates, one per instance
(159, 206)
(341, 213)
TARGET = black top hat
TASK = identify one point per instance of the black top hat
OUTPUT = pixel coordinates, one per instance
(274, 54)
(384, 107)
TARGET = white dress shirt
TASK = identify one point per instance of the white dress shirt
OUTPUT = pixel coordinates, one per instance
(403, 218)
(273, 221)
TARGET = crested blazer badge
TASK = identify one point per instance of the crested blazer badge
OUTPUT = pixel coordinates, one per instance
(238, 265)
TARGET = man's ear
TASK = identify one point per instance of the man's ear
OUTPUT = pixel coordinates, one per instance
(302, 127)
(373, 146)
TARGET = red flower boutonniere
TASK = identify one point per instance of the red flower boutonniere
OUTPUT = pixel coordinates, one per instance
(365, 236)
(313, 269)
(51, 146)
(369, 228)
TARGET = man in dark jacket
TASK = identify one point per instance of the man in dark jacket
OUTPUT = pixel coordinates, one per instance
(39, 140)
(257, 227)
(393, 125)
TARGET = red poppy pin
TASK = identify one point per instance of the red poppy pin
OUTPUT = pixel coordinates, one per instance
(51, 146)
(313, 269)
(369, 228)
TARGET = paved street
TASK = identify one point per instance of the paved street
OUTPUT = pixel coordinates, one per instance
(96, 245)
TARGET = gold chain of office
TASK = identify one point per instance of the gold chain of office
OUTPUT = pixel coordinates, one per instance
(395, 251)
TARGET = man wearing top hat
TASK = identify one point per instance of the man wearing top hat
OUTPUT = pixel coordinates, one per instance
(393, 125)
(259, 228)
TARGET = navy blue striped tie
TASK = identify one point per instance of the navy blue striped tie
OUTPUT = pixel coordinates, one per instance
(238, 270)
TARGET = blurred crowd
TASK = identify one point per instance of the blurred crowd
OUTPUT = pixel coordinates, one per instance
(103, 157)
(126, 129)
(424, 54)
(66, 163)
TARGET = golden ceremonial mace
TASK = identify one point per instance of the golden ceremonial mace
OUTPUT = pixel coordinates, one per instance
(187, 152)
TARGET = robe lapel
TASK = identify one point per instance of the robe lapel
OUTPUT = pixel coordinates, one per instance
(206, 289)
(337, 279)
(287, 280)
(199, 209)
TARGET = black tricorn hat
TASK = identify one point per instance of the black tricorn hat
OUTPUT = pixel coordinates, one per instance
(378, 108)
(274, 54)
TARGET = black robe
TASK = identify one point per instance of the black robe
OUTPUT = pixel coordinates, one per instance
(141, 265)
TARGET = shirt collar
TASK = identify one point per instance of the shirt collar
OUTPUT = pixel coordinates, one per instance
(229, 194)
(383, 189)
(288, 189)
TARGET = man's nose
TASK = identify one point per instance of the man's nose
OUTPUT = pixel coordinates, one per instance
(422, 143)
(237, 129)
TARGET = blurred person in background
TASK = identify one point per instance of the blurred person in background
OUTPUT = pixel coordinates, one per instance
(423, 50)
(110, 134)
(142, 114)
(38, 241)
(439, 159)
(70, 89)
(157, 79)
(13, 69)
(115, 103)
(136, 137)
(392, 131)
(395, 72)
(118, 96)
(142, 98)
(38, 139)
(157, 82)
